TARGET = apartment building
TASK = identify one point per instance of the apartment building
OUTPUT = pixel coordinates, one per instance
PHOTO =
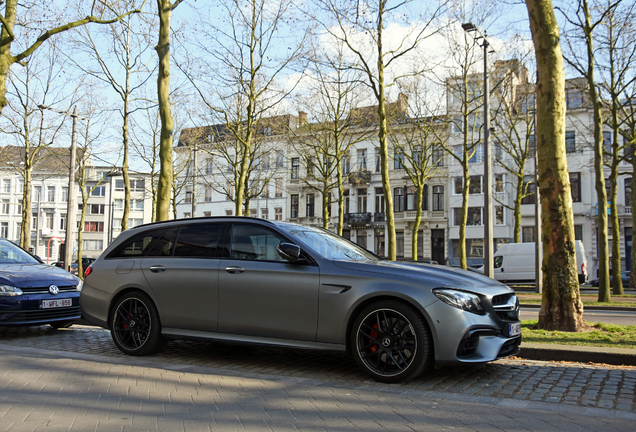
(49, 201)
(438, 235)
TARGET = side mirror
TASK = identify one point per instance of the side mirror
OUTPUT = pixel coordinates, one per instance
(288, 251)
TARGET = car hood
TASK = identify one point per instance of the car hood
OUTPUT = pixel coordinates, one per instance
(35, 275)
(435, 276)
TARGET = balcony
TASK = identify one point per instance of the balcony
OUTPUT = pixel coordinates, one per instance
(357, 218)
(379, 217)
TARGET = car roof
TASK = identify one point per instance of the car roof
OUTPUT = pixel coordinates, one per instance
(206, 218)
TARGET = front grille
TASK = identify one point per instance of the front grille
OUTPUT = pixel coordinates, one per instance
(506, 307)
(45, 290)
(38, 315)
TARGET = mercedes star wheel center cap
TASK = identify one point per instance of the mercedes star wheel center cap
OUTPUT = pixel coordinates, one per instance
(386, 342)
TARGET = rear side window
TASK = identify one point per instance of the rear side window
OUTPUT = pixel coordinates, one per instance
(156, 243)
(200, 241)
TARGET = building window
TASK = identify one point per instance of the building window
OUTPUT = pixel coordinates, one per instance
(137, 185)
(4, 229)
(18, 208)
(65, 194)
(207, 213)
(6, 206)
(570, 142)
(228, 212)
(294, 206)
(474, 216)
(310, 205)
(96, 209)
(119, 204)
(628, 149)
(628, 192)
(253, 212)
(438, 156)
(475, 186)
(499, 215)
(119, 185)
(278, 213)
(398, 199)
(6, 186)
(578, 232)
(474, 248)
(37, 193)
(575, 186)
(264, 213)
(209, 166)
(362, 159)
(94, 226)
(187, 214)
(362, 200)
(438, 198)
(573, 98)
(295, 168)
(398, 160)
(62, 222)
(137, 205)
(188, 194)
(93, 245)
(280, 159)
(34, 221)
(99, 191)
(478, 154)
(527, 234)
(499, 183)
(48, 220)
(377, 160)
(346, 164)
(279, 188)
(529, 190)
(208, 194)
(230, 191)
(399, 244)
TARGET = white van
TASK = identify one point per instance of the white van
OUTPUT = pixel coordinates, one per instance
(514, 262)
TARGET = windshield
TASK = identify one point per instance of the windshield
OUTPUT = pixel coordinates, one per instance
(11, 254)
(329, 245)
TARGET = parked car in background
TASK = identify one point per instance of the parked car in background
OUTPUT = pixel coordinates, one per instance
(624, 277)
(244, 279)
(34, 293)
(74, 267)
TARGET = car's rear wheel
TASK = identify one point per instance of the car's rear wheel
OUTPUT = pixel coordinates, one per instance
(391, 341)
(61, 324)
(134, 325)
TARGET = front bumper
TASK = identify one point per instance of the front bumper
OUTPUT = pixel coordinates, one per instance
(464, 337)
(25, 310)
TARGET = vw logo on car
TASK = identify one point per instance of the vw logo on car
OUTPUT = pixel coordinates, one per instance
(53, 289)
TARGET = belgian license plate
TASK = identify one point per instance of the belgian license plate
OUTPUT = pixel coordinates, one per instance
(47, 304)
(514, 329)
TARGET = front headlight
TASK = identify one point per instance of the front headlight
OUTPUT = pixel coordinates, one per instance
(460, 299)
(79, 285)
(10, 291)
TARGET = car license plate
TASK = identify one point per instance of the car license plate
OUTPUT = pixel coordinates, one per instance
(46, 304)
(514, 329)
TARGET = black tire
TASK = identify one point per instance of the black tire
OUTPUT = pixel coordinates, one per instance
(61, 324)
(134, 325)
(391, 342)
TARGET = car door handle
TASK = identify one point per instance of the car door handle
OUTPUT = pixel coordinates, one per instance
(502, 269)
(234, 269)
(157, 268)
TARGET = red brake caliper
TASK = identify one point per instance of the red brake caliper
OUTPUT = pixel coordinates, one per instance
(126, 324)
(374, 335)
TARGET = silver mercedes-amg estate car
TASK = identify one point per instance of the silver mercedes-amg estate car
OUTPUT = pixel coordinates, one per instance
(250, 280)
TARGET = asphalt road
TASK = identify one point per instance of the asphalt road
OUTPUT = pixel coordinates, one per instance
(608, 317)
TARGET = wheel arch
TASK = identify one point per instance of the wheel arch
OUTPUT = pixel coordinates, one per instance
(122, 293)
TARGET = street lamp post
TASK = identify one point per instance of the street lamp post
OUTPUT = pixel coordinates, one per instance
(70, 208)
(488, 238)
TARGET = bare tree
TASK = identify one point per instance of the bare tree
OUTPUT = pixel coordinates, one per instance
(123, 65)
(361, 27)
(32, 131)
(10, 37)
(166, 172)
(336, 127)
(246, 64)
(561, 306)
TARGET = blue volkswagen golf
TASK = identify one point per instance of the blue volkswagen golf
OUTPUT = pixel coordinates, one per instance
(33, 293)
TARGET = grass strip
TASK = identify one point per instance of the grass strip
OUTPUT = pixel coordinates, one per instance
(602, 335)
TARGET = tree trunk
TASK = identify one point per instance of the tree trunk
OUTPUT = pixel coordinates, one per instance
(124, 167)
(463, 263)
(561, 306)
(325, 204)
(166, 172)
(418, 220)
(25, 228)
(517, 212)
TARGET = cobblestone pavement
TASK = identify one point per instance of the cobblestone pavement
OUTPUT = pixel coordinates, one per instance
(47, 390)
(598, 386)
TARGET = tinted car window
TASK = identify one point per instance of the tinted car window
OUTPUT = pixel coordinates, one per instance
(253, 242)
(498, 261)
(199, 241)
(150, 243)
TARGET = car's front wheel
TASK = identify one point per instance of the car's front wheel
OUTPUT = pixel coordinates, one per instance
(134, 325)
(391, 341)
